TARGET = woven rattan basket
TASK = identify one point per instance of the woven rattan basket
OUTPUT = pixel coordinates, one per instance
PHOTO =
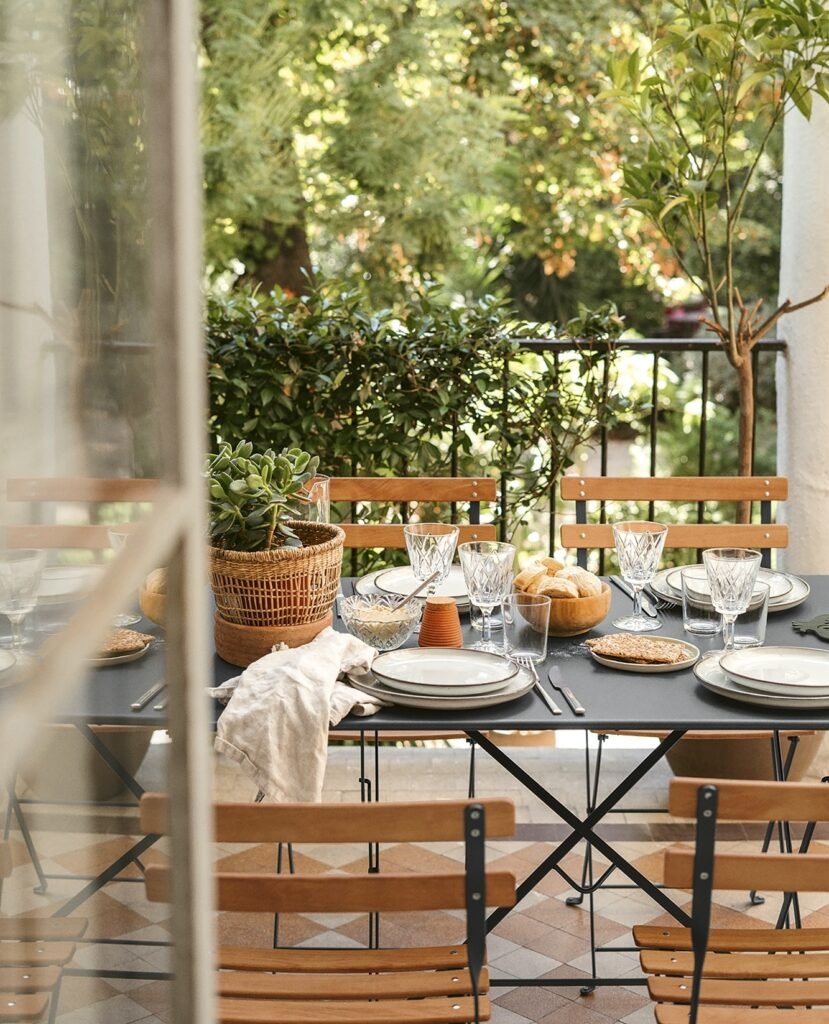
(282, 587)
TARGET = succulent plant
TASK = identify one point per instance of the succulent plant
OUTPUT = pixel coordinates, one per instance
(252, 496)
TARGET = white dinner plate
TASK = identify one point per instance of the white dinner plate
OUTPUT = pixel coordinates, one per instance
(402, 581)
(7, 660)
(785, 671)
(691, 655)
(367, 586)
(120, 659)
(62, 583)
(712, 677)
(445, 670)
(797, 595)
(522, 682)
(779, 583)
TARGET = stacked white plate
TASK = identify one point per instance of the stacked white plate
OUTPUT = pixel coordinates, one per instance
(785, 590)
(443, 678)
(402, 581)
(788, 677)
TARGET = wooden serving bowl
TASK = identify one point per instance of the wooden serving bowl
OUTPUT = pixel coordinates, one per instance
(571, 616)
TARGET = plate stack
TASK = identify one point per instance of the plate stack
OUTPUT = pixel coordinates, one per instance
(785, 590)
(779, 677)
(443, 679)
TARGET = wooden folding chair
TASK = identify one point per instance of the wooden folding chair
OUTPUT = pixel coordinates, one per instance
(740, 975)
(33, 953)
(385, 986)
(699, 490)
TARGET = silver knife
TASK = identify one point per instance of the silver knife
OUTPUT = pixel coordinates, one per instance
(645, 602)
(146, 697)
(554, 675)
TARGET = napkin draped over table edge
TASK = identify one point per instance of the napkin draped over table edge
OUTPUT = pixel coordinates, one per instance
(279, 711)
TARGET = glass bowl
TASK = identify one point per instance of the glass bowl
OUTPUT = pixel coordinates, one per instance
(378, 622)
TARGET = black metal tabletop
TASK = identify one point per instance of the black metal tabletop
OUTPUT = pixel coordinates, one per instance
(613, 699)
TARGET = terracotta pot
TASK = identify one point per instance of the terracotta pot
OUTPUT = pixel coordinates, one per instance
(572, 616)
(241, 645)
(737, 758)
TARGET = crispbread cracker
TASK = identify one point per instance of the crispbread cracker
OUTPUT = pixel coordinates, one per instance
(641, 650)
(124, 641)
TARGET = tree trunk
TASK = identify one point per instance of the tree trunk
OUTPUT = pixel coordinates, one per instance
(745, 377)
(289, 264)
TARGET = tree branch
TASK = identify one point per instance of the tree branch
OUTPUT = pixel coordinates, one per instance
(785, 308)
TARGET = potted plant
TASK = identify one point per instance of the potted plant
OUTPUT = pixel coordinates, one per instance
(274, 575)
(707, 90)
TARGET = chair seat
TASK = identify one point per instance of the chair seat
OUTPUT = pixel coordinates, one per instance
(43, 929)
(742, 1015)
(708, 734)
(352, 986)
(28, 979)
(737, 965)
(342, 961)
(16, 1008)
(741, 992)
(13, 954)
(392, 1011)
(736, 940)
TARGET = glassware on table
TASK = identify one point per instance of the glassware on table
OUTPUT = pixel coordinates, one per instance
(117, 541)
(750, 627)
(699, 616)
(487, 570)
(732, 575)
(431, 548)
(315, 500)
(380, 620)
(526, 622)
(20, 573)
(638, 547)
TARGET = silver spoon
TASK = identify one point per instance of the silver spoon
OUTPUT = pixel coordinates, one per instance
(417, 589)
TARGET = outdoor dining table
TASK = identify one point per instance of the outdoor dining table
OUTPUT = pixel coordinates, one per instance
(673, 701)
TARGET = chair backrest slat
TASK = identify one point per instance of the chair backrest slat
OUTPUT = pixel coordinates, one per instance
(779, 872)
(415, 891)
(676, 488)
(390, 535)
(441, 821)
(423, 488)
(739, 800)
(685, 535)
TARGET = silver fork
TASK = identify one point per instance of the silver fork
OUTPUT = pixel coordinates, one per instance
(526, 662)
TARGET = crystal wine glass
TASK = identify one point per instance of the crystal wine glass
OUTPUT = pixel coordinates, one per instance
(117, 540)
(487, 570)
(732, 573)
(431, 547)
(20, 573)
(638, 547)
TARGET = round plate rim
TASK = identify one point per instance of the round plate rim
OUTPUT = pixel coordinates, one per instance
(453, 653)
(773, 686)
(774, 572)
(120, 659)
(368, 581)
(782, 606)
(630, 666)
(731, 690)
(7, 654)
(402, 593)
(431, 703)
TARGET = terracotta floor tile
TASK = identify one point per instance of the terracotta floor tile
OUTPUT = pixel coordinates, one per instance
(531, 1002)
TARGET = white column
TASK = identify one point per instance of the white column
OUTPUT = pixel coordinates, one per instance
(803, 372)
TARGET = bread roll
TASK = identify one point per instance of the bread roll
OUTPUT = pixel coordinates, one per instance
(552, 565)
(585, 582)
(554, 586)
(156, 582)
(527, 576)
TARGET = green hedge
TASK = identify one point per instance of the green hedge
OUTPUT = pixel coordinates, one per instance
(373, 393)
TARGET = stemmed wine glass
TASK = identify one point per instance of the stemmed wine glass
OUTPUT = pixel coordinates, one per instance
(20, 573)
(118, 540)
(638, 547)
(732, 573)
(431, 548)
(487, 570)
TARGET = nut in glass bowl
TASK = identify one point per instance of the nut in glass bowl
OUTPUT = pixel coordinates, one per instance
(378, 621)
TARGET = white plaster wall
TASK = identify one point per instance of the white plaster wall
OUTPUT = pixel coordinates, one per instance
(803, 372)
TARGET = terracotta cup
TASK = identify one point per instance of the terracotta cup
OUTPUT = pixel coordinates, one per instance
(441, 624)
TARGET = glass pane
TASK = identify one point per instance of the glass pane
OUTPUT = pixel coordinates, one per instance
(79, 449)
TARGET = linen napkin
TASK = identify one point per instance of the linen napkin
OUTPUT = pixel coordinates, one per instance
(280, 709)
